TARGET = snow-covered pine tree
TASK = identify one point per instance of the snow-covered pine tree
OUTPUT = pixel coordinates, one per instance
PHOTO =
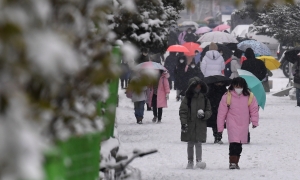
(55, 60)
(282, 22)
(148, 25)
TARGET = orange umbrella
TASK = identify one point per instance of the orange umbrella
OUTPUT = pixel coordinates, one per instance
(177, 48)
(192, 47)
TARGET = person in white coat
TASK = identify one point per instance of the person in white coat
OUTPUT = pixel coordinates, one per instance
(213, 62)
(139, 100)
(236, 63)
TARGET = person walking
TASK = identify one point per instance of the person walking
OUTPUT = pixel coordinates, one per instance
(143, 56)
(158, 96)
(190, 36)
(296, 70)
(180, 76)
(213, 62)
(253, 65)
(215, 94)
(236, 63)
(173, 37)
(194, 111)
(170, 65)
(139, 100)
(125, 74)
(237, 108)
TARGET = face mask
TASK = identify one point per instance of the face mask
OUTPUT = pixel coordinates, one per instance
(189, 32)
(197, 90)
(238, 90)
(181, 61)
(192, 66)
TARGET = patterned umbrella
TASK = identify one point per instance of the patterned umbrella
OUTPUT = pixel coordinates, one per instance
(203, 30)
(258, 47)
(151, 65)
(255, 86)
(221, 27)
(218, 37)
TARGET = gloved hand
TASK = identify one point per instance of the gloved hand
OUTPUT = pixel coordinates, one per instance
(167, 96)
(253, 126)
(200, 114)
(184, 128)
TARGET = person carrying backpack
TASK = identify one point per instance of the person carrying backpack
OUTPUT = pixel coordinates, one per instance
(194, 111)
(237, 108)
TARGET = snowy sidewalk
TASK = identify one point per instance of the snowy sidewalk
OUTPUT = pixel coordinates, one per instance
(273, 152)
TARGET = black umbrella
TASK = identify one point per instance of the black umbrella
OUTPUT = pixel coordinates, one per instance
(232, 46)
(216, 79)
(227, 53)
(291, 55)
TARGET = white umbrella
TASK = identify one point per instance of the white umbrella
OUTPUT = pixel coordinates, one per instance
(218, 37)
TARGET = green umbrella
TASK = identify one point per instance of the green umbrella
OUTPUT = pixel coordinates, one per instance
(255, 86)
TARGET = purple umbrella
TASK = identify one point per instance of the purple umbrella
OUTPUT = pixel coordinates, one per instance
(203, 30)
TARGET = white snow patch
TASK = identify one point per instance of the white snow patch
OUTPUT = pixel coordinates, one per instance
(51, 54)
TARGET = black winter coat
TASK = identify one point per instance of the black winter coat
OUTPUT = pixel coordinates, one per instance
(253, 65)
(190, 37)
(180, 75)
(215, 95)
(142, 59)
(170, 64)
(173, 38)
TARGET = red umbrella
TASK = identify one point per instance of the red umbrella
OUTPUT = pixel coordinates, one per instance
(221, 27)
(177, 48)
(192, 47)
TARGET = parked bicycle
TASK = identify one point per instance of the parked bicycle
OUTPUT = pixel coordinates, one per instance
(121, 170)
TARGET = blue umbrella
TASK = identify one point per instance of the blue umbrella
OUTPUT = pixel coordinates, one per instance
(258, 47)
(255, 86)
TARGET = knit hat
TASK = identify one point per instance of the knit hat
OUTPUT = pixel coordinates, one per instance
(213, 46)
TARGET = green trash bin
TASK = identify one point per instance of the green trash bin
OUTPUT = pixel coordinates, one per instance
(77, 158)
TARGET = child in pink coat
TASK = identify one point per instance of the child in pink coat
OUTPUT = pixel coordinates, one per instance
(158, 96)
(237, 116)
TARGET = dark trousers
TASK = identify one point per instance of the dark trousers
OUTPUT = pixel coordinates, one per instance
(124, 83)
(157, 112)
(217, 135)
(235, 149)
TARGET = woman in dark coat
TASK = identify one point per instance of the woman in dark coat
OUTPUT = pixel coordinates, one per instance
(194, 111)
(253, 65)
(180, 76)
(170, 65)
(215, 94)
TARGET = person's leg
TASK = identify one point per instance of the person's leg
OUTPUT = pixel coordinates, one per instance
(136, 109)
(141, 106)
(154, 107)
(248, 137)
(198, 151)
(122, 83)
(234, 153)
(178, 95)
(215, 133)
(190, 150)
(170, 83)
(160, 111)
(239, 152)
(298, 96)
(190, 153)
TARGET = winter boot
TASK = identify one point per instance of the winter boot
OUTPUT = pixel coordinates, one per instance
(177, 98)
(298, 104)
(237, 162)
(158, 121)
(140, 120)
(190, 165)
(200, 164)
(232, 162)
(154, 119)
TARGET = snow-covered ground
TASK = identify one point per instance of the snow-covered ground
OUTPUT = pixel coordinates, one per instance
(272, 154)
